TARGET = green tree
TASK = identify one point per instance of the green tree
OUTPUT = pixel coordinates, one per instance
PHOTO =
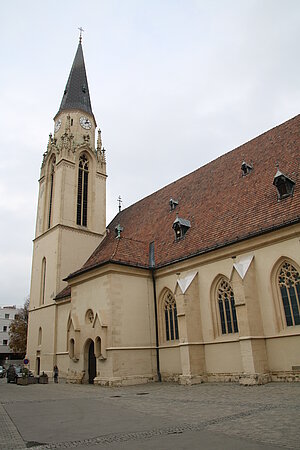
(18, 331)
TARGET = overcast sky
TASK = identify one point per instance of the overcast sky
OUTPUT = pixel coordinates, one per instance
(173, 84)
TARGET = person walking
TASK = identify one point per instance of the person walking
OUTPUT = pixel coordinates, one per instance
(55, 373)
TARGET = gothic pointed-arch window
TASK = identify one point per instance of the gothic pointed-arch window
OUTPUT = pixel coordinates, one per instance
(170, 317)
(52, 171)
(43, 282)
(82, 191)
(226, 305)
(289, 286)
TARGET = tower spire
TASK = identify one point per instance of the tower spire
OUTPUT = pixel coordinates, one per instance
(76, 93)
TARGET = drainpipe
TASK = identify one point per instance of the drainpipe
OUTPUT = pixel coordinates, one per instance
(152, 268)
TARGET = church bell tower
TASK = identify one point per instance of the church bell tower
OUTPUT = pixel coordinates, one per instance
(71, 212)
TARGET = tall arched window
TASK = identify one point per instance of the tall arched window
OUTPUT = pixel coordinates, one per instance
(170, 315)
(225, 299)
(52, 170)
(43, 282)
(82, 193)
(289, 286)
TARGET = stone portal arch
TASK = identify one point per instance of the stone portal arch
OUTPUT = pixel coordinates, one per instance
(89, 361)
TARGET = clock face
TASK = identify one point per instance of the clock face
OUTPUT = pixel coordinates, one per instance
(85, 123)
(57, 125)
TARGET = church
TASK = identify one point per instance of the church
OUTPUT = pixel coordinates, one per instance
(197, 282)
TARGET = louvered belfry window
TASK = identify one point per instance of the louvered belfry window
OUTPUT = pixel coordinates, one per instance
(289, 285)
(227, 311)
(82, 193)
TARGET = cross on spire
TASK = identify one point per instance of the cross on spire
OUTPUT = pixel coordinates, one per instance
(120, 202)
(81, 31)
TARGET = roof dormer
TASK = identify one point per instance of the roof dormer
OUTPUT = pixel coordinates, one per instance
(284, 185)
(246, 168)
(180, 226)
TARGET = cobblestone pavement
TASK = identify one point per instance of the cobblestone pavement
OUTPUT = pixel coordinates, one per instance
(154, 416)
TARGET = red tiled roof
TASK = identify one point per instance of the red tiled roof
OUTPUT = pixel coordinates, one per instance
(222, 205)
(65, 293)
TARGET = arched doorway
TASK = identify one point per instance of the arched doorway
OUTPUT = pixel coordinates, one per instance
(91, 363)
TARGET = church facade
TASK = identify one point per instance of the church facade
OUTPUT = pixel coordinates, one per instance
(199, 281)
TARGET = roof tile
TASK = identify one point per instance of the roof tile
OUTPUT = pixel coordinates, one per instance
(222, 205)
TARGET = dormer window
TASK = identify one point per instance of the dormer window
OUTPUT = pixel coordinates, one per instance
(246, 168)
(180, 226)
(284, 185)
(173, 203)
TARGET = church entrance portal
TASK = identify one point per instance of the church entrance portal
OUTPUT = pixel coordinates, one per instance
(91, 363)
(38, 365)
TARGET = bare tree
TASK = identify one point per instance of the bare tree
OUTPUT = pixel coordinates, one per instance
(18, 330)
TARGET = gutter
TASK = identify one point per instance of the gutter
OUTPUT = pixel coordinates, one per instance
(152, 268)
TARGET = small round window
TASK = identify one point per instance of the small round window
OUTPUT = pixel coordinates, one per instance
(89, 316)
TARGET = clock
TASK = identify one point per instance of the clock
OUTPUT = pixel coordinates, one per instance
(85, 123)
(57, 125)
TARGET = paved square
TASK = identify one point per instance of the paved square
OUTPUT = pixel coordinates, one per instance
(154, 416)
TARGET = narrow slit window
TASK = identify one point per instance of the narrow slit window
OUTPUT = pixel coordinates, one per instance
(43, 282)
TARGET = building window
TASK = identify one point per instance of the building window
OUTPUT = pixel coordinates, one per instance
(40, 336)
(72, 348)
(89, 316)
(82, 193)
(51, 192)
(284, 185)
(226, 306)
(4, 341)
(173, 203)
(180, 226)
(246, 168)
(43, 282)
(6, 316)
(289, 286)
(170, 316)
(4, 328)
(98, 347)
